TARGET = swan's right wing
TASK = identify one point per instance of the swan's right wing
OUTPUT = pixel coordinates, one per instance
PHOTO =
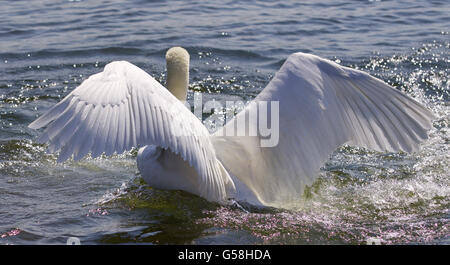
(322, 105)
(124, 107)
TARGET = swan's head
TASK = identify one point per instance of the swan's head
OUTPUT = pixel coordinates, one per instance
(177, 60)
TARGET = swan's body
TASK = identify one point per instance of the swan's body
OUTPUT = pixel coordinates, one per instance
(322, 105)
(163, 169)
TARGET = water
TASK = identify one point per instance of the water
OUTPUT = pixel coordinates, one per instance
(48, 47)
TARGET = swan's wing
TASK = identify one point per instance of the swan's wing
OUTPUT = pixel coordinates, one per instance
(124, 107)
(321, 106)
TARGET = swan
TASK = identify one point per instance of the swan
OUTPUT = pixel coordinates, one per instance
(322, 105)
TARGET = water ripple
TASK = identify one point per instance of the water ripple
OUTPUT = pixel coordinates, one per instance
(49, 47)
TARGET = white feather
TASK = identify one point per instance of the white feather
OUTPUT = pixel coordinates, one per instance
(322, 105)
(124, 107)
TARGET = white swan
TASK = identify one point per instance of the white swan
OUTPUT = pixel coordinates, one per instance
(322, 105)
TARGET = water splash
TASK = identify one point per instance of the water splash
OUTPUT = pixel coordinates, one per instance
(13, 232)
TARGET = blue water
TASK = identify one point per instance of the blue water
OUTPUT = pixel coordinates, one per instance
(47, 48)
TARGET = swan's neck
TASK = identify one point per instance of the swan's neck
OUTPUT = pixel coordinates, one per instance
(177, 60)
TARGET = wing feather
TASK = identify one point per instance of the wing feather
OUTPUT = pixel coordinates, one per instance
(322, 105)
(124, 107)
(102, 132)
(121, 128)
(110, 145)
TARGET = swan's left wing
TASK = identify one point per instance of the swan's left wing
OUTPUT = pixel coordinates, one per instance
(322, 105)
(124, 107)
